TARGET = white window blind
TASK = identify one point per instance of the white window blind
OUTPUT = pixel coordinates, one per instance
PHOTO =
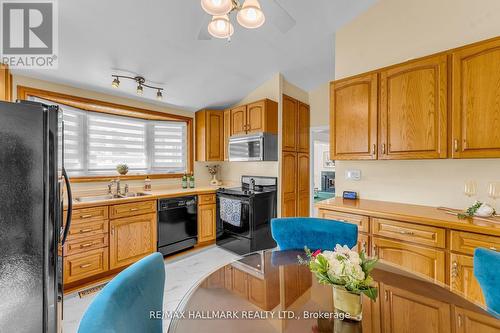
(94, 143)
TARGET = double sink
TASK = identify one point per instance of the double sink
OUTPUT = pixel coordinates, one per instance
(111, 196)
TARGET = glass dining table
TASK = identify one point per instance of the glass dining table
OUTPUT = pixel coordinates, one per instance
(270, 291)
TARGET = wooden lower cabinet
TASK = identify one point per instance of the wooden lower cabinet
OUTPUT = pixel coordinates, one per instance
(131, 238)
(473, 322)
(423, 260)
(264, 293)
(406, 312)
(206, 223)
(83, 265)
(462, 278)
(239, 281)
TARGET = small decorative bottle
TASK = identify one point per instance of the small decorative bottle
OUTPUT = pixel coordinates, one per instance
(147, 185)
(184, 181)
(191, 181)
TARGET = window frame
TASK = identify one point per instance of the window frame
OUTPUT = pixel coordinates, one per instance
(87, 104)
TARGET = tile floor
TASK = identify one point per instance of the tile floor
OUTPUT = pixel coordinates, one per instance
(182, 273)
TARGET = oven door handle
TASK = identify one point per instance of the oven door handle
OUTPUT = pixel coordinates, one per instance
(70, 207)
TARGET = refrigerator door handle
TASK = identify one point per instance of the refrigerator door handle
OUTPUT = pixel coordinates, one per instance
(70, 206)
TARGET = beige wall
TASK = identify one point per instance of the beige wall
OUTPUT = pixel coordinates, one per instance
(319, 102)
(393, 31)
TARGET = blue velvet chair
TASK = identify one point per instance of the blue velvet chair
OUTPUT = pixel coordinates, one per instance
(296, 232)
(125, 303)
(486, 270)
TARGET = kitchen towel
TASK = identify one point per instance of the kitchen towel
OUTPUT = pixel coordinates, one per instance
(230, 211)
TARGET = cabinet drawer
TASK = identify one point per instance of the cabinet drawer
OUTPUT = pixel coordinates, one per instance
(131, 209)
(90, 214)
(79, 230)
(84, 244)
(360, 220)
(466, 242)
(206, 199)
(421, 234)
(86, 264)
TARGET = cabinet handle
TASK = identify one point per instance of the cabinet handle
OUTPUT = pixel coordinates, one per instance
(374, 250)
(133, 209)
(363, 246)
(113, 230)
(374, 149)
(459, 320)
(86, 245)
(406, 232)
(85, 265)
(383, 149)
(454, 269)
(455, 145)
(386, 295)
(84, 231)
(86, 216)
(493, 248)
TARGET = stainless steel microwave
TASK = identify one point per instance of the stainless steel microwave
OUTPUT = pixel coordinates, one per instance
(253, 147)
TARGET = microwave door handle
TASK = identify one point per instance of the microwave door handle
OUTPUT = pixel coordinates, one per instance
(261, 155)
(70, 206)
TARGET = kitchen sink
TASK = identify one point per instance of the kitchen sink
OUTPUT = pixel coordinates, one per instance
(134, 194)
(111, 196)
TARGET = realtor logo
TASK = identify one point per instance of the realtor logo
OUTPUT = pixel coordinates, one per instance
(29, 34)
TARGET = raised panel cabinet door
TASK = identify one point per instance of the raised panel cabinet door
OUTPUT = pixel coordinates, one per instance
(423, 260)
(215, 136)
(353, 118)
(206, 223)
(256, 117)
(290, 117)
(239, 120)
(303, 128)
(227, 133)
(257, 292)
(289, 184)
(413, 110)
(131, 238)
(303, 188)
(240, 283)
(472, 322)
(476, 101)
(408, 312)
(462, 278)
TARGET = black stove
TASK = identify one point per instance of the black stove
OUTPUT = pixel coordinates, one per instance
(256, 199)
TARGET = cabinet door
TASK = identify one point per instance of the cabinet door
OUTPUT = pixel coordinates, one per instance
(257, 292)
(473, 322)
(240, 283)
(215, 136)
(353, 118)
(256, 117)
(427, 261)
(462, 278)
(131, 239)
(303, 203)
(475, 97)
(206, 223)
(5, 83)
(239, 120)
(290, 111)
(413, 110)
(408, 312)
(227, 133)
(289, 185)
(303, 128)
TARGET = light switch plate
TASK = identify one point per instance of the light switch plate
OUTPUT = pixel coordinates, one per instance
(353, 174)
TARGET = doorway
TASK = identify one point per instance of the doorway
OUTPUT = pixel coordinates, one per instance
(323, 169)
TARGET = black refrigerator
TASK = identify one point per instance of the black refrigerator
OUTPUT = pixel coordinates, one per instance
(32, 230)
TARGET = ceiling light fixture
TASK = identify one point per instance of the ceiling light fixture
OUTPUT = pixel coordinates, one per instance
(250, 16)
(141, 83)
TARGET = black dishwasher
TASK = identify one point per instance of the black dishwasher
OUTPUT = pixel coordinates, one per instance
(177, 224)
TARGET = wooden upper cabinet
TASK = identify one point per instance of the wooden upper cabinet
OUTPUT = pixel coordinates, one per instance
(413, 110)
(5, 83)
(303, 128)
(209, 135)
(353, 118)
(303, 187)
(476, 101)
(239, 120)
(227, 133)
(290, 112)
(289, 184)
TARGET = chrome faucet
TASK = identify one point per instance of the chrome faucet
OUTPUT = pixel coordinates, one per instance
(118, 189)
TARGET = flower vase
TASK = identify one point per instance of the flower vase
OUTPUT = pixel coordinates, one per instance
(214, 180)
(348, 303)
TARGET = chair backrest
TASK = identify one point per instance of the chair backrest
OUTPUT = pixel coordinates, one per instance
(125, 303)
(315, 233)
(486, 271)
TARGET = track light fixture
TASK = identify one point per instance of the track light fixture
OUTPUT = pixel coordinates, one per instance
(141, 83)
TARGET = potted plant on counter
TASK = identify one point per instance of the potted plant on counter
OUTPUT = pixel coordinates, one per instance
(348, 272)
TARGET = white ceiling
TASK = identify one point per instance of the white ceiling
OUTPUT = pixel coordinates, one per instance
(159, 39)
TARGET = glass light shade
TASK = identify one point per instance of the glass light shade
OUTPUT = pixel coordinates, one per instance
(140, 90)
(217, 7)
(115, 83)
(159, 95)
(221, 27)
(250, 15)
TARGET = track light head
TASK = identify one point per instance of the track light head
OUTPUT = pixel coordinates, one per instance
(140, 89)
(116, 82)
(159, 95)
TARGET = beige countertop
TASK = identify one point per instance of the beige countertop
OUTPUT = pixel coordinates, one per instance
(410, 213)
